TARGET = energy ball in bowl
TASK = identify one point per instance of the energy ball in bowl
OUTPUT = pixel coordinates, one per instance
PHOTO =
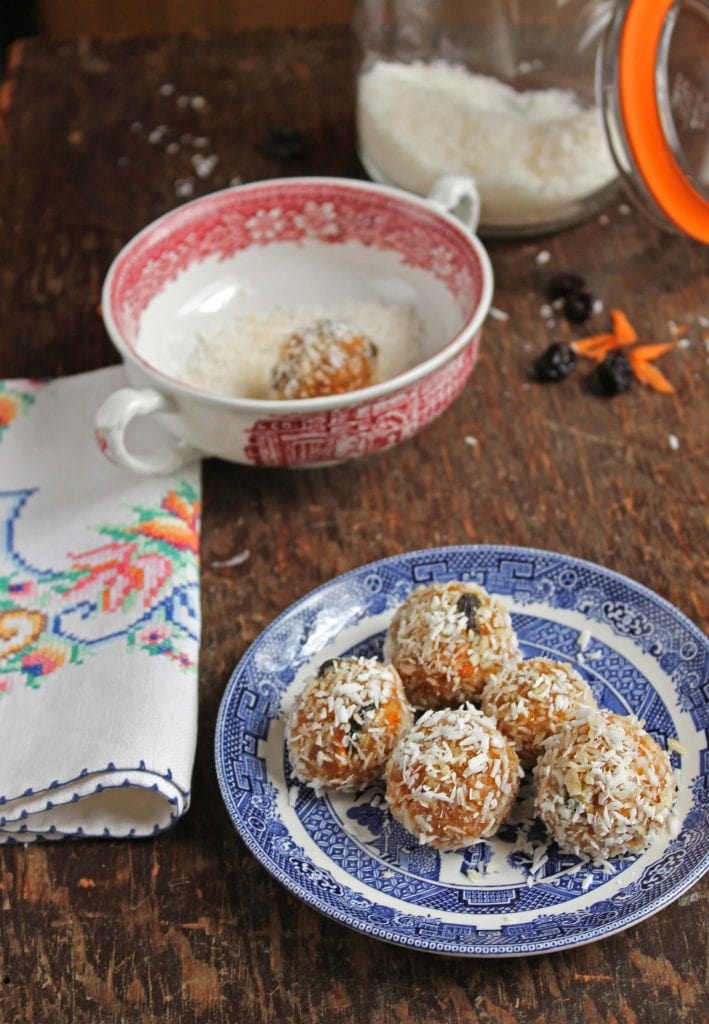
(447, 640)
(531, 700)
(346, 723)
(604, 786)
(327, 357)
(453, 778)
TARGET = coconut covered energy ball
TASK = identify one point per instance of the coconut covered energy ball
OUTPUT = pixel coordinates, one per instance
(346, 723)
(453, 778)
(531, 700)
(327, 357)
(604, 786)
(447, 640)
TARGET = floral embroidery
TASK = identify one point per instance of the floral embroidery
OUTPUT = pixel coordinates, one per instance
(15, 398)
(139, 586)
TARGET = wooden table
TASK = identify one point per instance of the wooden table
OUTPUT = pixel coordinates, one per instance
(190, 927)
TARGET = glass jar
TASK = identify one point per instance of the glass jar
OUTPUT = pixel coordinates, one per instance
(533, 100)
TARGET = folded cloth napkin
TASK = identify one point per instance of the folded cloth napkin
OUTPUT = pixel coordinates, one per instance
(99, 623)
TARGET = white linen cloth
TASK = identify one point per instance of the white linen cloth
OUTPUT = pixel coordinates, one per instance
(99, 623)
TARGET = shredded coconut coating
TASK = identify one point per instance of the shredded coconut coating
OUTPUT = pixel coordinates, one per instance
(531, 700)
(604, 786)
(453, 778)
(346, 723)
(328, 357)
(447, 640)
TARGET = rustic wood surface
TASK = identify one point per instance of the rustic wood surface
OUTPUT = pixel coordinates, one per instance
(190, 927)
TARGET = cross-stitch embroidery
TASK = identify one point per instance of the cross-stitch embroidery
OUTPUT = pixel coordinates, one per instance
(138, 586)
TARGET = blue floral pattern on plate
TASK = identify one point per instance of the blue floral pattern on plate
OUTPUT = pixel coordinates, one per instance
(516, 893)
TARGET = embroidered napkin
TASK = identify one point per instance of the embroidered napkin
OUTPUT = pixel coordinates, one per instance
(99, 623)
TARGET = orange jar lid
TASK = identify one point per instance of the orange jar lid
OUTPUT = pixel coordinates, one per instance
(655, 85)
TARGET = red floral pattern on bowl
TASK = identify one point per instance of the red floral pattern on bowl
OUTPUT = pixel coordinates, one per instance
(314, 215)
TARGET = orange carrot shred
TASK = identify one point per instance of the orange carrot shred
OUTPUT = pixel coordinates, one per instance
(652, 377)
(625, 333)
(594, 342)
(649, 352)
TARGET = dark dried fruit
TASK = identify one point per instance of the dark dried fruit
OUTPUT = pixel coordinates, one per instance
(325, 666)
(561, 285)
(468, 604)
(360, 718)
(578, 306)
(555, 362)
(615, 374)
(284, 143)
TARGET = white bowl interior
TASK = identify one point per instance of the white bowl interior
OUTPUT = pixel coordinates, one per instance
(214, 293)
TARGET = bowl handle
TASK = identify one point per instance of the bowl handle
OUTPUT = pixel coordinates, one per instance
(457, 194)
(112, 420)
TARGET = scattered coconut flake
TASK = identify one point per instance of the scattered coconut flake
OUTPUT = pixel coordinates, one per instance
(198, 103)
(583, 640)
(624, 209)
(597, 306)
(604, 220)
(539, 859)
(204, 165)
(546, 311)
(157, 135)
(184, 187)
(227, 563)
(172, 148)
(236, 179)
(543, 256)
(675, 746)
(683, 343)
(673, 442)
(183, 101)
(166, 89)
(200, 142)
(498, 314)
(470, 440)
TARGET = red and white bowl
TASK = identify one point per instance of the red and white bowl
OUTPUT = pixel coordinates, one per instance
(287, 243)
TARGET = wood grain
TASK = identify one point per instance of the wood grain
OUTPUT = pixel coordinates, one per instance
(189, 927)
(62, 19)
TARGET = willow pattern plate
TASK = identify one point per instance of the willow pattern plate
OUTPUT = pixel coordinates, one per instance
(515, 894)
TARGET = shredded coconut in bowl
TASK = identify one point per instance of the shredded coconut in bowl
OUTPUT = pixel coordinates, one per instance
(531, 152)
(237, 359)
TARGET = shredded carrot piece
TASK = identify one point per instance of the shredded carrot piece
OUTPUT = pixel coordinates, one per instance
(598, 346)
(648, 374)
(623, 330)
(593, 344)
(648, 352)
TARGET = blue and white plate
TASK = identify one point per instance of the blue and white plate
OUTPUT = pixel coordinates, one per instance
(515, 894)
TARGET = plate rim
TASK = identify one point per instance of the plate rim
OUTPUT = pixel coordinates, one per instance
(385, 933)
